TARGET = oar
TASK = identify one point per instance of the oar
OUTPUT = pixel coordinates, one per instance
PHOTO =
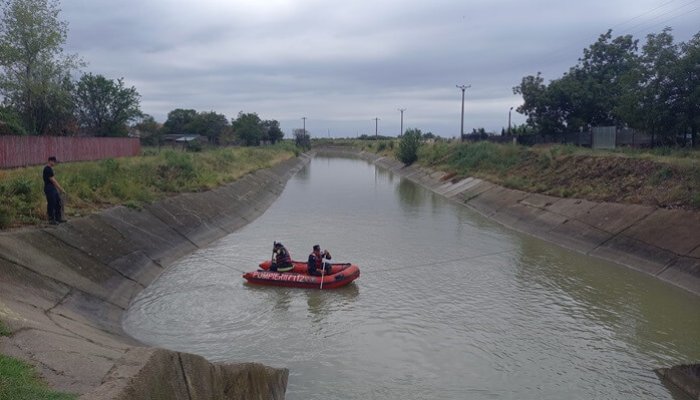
(272, 260)
(323, 271)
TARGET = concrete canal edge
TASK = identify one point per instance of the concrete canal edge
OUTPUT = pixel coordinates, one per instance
(63, 291)
(660, 242)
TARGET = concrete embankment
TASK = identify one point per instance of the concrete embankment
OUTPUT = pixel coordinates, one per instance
(63, 291)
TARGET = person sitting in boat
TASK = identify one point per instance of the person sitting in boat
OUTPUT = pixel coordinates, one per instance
(317, 261)
(282, 261)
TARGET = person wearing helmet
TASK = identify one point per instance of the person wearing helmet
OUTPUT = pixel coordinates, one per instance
(317, 261)
(281, 261)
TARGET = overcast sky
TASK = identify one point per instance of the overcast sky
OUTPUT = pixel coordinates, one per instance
(343, 64)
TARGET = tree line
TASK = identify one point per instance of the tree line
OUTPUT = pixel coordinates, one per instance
(40, 97)
(653, 89)
(247, 128)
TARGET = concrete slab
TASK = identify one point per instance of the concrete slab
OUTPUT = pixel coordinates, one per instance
(143, 231)
(634, 254)
(48, 257)
(492, 201)
(576, 235)
(535, 221)
(91, 311)
(92, 236)
(571, 208)
(538, 200)
(684, 272)
(138, 267)
(674, 230)
(66, 371)
(615, 218)
(459, 187)
(476, 190)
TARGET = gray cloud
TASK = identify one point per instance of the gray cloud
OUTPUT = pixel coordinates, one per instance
(343, 64)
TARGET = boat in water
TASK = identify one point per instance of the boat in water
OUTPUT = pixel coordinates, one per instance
(340, 275)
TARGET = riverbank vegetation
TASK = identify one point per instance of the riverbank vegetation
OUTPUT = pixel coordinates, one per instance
(663, 176)
(130, 181)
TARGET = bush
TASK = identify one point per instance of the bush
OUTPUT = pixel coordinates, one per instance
(407, 152)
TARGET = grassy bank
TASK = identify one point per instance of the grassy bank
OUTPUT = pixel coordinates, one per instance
(660, 177)
(131, 181)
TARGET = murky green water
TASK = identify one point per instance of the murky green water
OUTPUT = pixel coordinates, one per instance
(449, 305)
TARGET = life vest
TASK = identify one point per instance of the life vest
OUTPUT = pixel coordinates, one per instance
(283, 260)
(282, 257)
(318, 259)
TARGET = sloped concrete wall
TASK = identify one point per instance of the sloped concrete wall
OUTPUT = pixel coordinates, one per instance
(64, 289)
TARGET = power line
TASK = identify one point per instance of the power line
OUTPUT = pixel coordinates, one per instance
(553, 56)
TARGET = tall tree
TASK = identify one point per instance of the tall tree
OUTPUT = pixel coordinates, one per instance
(178, 120)
(105, 106)
(34, 68)
(272, 131)
(687, 77)
(657, 86)
(248, 128)
(543, 114)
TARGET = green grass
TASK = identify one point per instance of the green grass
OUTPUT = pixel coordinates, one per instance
(19, 381)
(131, 181)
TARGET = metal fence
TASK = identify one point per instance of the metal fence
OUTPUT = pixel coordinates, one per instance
(609, 138)
(20, 151)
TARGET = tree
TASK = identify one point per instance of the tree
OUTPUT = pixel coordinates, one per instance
(538, 106)
(149, 130)
(104, 106)
(34, 68)
(10, 122)
(599, 79)
(407, 152)
(272, 131)
(588, 94)
(248, 128)
(178, 121)
(302, 139)
(209, 124)
(688, 78)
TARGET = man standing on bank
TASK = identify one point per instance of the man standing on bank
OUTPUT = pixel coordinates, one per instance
(51, 189)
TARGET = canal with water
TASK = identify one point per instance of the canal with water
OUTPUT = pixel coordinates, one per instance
(449, 305)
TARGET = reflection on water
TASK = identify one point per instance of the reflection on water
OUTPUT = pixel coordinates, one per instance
(448, 306)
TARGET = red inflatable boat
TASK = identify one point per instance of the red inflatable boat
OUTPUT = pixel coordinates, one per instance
(340, 275)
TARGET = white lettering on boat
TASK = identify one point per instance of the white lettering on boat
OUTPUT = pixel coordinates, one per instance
(274, 276)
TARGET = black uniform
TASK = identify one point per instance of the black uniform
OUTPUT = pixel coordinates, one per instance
(53, 200)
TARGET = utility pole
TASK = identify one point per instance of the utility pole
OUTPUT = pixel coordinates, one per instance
(304, 119)
(376, 128)
(509, 111)
(401, 131)
(461, 129)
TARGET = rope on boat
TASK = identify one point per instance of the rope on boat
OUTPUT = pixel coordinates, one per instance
(222, 264)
